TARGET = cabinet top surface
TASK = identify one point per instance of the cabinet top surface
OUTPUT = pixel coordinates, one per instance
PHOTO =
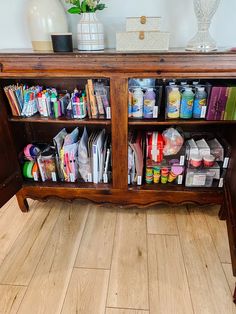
(107, 63)
(113, 52)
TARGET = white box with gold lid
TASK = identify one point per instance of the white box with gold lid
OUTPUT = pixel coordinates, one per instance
(143, 23)
(149, 41)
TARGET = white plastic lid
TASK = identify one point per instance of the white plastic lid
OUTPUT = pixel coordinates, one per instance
(196, 157)
(200, 89)
(209, 158)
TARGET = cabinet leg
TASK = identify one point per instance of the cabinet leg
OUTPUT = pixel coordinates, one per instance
(222, 213)
(22, 202)
(234, 296)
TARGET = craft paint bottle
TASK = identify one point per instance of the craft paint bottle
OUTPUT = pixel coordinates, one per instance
(173, 103)
(186, 107)
(54, 105)
(149, 103)
(138, 103)
(199, 102)
(130, 105)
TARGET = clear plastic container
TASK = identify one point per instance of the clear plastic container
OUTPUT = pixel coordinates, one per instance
(149, 99)
(47, 165)
(163, 173)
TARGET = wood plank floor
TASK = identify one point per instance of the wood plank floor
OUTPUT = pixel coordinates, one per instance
(82, 258)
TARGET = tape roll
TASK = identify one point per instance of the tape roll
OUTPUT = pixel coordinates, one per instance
(34, 151)
(27, 152)
(27, 169)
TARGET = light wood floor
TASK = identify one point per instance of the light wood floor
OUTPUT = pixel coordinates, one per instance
(86, 259)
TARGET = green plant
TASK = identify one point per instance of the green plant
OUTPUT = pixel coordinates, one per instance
(85, 6)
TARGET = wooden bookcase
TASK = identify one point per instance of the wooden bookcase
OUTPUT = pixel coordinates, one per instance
(66, 69)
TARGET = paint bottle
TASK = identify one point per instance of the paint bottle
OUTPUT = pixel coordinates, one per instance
(130, 105)
(138, 103)
(54, 105)
(186, 107)
(200, 103)
(149, 103)
(173, 103)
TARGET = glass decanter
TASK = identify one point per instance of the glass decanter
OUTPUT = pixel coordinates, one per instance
(204, 11)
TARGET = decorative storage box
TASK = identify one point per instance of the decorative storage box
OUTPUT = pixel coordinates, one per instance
(143, 23)
(131, 41)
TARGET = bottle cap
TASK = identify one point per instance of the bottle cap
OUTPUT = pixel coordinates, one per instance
(200, 89)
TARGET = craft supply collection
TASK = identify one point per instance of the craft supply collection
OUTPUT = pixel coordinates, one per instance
(73, 157)
(166, 157)
(92, 101)
(147, 99)
(182, 100)
(176, 157)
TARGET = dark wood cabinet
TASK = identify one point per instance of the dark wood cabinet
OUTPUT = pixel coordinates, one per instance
(59, 69)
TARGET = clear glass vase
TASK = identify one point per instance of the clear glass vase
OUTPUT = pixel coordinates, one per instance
(204, 11)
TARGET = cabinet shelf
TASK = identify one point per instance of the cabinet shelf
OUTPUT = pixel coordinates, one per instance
(39, 119)
(161, 121)
(174, 188)
(66, 185)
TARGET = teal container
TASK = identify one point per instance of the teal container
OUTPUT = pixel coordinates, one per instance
(186, 105)
(199, 102)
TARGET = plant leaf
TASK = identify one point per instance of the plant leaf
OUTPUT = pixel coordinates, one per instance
(100, 6)
(77, 3)
(74, 10)
(84, 6)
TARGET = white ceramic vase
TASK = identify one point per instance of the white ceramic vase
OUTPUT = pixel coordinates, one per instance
(45, 17)
(90, 32)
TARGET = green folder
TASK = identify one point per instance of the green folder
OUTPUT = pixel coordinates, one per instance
(230, 112)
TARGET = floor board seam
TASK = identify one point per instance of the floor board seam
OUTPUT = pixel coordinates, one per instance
(181, 248)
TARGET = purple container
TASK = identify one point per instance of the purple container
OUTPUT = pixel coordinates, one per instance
(217, 103)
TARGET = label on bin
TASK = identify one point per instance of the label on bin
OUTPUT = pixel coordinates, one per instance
(72, 177)
(199, 180)
(155, 111)
(226, 162)
(180, 179)
(203, 112)
(181, 161)
(139, 180)
(35, 175)
(221, 183)
(54, 177)
(105, 178)
(108, 112)
(89, 177)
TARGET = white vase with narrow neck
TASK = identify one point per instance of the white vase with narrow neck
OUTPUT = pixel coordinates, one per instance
(90, 33)
(45, 17)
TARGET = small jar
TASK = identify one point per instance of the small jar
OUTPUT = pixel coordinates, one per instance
(209, 160)
(196, 160)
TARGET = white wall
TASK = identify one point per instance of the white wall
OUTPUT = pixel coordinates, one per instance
(178, 18)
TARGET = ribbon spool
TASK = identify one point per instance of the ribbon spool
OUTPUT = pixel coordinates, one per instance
(28, 169)
(31, 151)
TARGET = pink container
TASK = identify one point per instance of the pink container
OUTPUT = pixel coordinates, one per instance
(196, 160)
(209, 160)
